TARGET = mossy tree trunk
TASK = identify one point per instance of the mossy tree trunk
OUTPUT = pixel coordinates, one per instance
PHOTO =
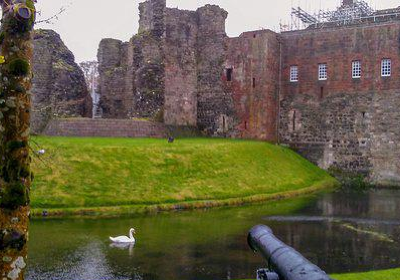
(15, 107)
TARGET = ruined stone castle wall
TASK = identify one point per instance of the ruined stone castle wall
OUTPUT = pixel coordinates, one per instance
(146, 77)
(385, 135)
(132, 73)
(147, 73)
(216, 114)
(59, 87)
(181, 68)
(170, 71)
(344, 122)
(113, 70)
(152, 17)
(252, 62)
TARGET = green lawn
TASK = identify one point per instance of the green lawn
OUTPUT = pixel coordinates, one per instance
(393, 274)
(93, 173)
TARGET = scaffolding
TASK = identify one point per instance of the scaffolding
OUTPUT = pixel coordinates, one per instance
(356, 12)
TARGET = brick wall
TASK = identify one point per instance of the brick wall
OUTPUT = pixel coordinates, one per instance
(254, 62)
(105, 128)
(177, 67)
(115, 128)
(338, 47)
(343, 122)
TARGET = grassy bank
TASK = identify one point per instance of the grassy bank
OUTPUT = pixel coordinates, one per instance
(392, 274)
(115, 176)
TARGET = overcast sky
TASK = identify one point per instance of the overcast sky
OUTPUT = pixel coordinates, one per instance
(86, 22)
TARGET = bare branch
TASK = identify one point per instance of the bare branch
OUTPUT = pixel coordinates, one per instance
(52, 18)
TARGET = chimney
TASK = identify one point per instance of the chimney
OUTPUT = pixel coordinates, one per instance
(347, 2)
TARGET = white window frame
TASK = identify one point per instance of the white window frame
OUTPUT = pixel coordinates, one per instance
(356, 69)
(386, 67)
(322, 71)
(294, 73)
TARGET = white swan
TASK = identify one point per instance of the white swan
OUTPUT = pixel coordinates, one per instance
(125, 239)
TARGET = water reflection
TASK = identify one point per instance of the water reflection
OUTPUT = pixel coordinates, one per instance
(87, 262)
(124, 246)
(339, 232)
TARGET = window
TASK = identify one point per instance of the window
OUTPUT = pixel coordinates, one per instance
(356, 69)
(386, 69)
(322, 72)
(294, 74)
(294, 121)
(229, 72)
(254, 82)
(294, 124)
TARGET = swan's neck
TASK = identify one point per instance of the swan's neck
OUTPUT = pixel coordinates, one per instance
(131, 234)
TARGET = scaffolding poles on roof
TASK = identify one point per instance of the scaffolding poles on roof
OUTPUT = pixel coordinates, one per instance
(346, 14)
(304, 16)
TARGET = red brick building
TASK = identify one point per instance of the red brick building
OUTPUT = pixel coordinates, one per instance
(331, 90)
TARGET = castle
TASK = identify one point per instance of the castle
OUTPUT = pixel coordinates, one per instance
(59, 88)
(331, 91)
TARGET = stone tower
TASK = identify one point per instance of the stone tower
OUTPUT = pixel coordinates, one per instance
(347, 2)
(214, 106)
(152, 17)
(170, 71)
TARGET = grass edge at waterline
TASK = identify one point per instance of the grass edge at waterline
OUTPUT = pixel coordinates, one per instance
(111, 211)
(390, 274)
(117, 176)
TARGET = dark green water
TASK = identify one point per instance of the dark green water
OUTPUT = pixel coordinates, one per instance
(339, 232)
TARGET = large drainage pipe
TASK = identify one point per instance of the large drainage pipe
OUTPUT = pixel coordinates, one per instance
(284, 260)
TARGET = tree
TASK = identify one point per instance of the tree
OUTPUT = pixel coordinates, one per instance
(91, 71)
(15, 107)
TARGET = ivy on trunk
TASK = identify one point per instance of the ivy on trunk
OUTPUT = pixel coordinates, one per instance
(15, 108)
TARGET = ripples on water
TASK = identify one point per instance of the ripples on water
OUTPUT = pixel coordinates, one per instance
(340, 232)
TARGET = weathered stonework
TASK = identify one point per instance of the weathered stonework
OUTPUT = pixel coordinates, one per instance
(170, 71)
(253, 60)
(59, 87)
(182, 69)
(215, 107)
(112, 70)
(84, 127)
(344, 122)
(132, 73)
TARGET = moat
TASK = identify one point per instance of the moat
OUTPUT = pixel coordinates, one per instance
(340, 232)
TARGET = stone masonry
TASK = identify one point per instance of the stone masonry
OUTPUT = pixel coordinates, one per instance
(254, 84)
(344, 122)
(170, 71)
(85, 127)
(59, 87)
(182, 69)
(132, 73)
